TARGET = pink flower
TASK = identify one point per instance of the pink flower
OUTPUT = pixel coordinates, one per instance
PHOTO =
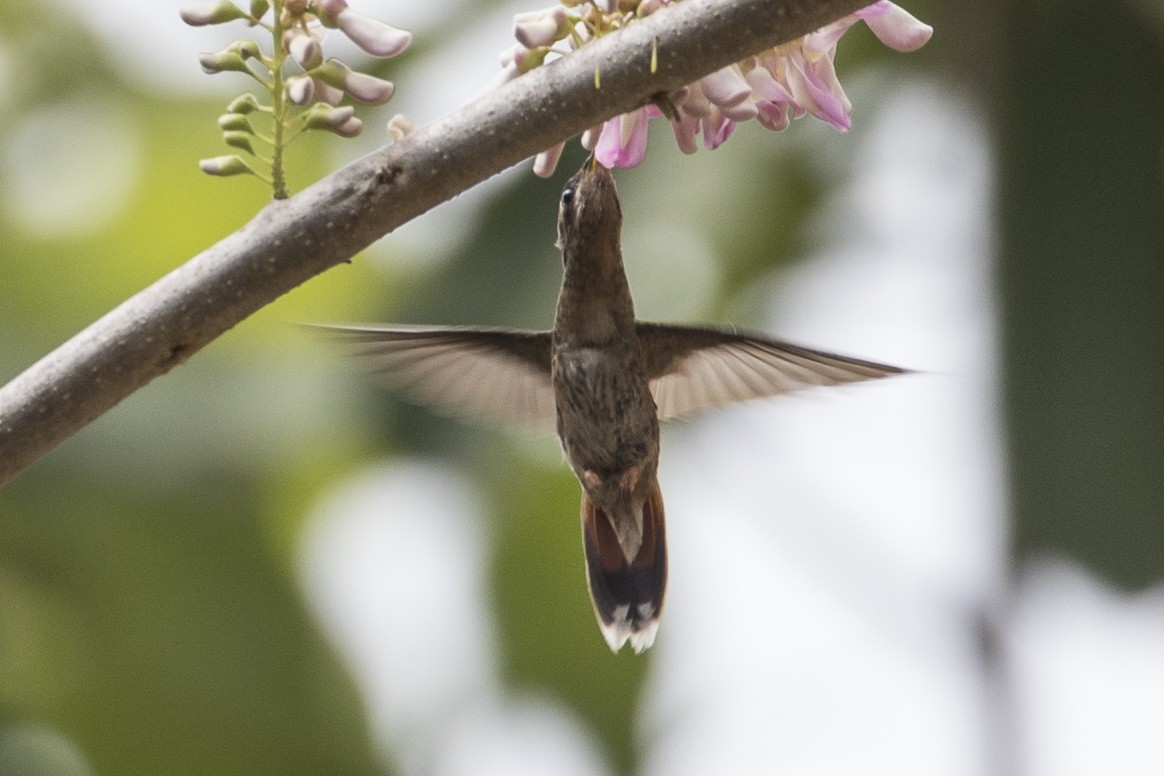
(893, 26)
(779, 85)
(728, 89)
(374, 37)
(623, 140)
(775, 105)
(813, 85)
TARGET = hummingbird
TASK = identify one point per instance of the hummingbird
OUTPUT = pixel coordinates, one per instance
(606, 379)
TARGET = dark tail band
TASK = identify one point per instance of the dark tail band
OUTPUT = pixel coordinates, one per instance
(628, 597)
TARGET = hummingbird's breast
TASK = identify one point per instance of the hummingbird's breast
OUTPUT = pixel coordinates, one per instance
(607, 419)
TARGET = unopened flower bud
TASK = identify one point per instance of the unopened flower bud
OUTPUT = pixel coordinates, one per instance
(304, 49)
(321, 116)
(235, 122)
(541, 28)
(211, 13)
(369, 89)
(244, 103)
(375, 37)
(590, 136)
(523, 59)
(349, 128)
(225, 166)
(231, 58)
(247, 49)
(325, 92)
(332, 72)
(259, 8)
(400, 126)
(329, 11)
(238, 140)
(361, 86)
(300, 89)
(222, 61)
(547, 161)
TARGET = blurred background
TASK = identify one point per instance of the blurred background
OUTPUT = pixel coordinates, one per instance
(263, 564)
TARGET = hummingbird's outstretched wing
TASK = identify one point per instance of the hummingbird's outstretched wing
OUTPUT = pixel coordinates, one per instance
(502, 374)
(691, 367)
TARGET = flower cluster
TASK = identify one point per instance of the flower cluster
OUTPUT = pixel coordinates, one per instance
(779, 85)
(309, 98)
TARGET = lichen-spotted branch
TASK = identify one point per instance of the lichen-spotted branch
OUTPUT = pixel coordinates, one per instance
(295, 239)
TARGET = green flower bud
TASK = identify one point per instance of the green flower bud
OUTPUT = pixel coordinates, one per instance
(528, 59)
(259, 8)
(235, 122)
(359, 86)
(222, 61)
(232, 58)
(238, 140)
(225, 166)
(211, 13)
(322, 116)
(329, 11)
(247, 49)
(332, 72)
(244, 103)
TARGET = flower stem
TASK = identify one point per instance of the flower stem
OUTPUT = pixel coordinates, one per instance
(278, 105)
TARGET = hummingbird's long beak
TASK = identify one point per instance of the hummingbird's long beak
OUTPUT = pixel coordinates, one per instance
(593, 165)
(594, 171)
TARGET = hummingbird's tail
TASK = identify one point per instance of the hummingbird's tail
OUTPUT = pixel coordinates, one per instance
(628, 597)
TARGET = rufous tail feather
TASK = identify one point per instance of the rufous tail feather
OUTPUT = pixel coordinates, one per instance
(628, 597)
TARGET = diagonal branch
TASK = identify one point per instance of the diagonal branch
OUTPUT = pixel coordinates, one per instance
(292, 240)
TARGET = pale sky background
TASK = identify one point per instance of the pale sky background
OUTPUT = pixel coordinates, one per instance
(831, 553)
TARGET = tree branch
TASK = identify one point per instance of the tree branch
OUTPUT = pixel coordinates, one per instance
(292, 240)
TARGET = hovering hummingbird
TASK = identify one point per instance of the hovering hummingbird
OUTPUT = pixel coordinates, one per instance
(607, 379)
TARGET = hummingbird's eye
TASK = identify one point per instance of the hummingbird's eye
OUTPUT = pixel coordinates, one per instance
(567, 195)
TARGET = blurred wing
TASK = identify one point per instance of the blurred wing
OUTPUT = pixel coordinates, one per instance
(691, 368)
(502, 374)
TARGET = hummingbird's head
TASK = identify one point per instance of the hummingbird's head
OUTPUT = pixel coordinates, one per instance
(589, 213)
